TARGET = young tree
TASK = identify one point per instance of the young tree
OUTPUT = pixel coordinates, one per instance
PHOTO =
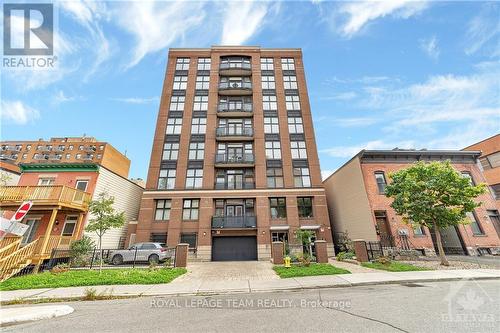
(104, 218)
(434, 195)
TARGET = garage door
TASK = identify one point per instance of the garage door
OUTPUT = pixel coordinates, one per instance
(235, 248)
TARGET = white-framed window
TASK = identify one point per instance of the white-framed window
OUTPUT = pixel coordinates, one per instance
(174, 126)
(182, 64)
(301, 177)
(170, 151)
(78, 156)
(269, 102)
(33, 224)
(298, 149)
(202, 82)
(268, 82)
(266, 64)
(46, 181)
(82, 184)
(204, 64)
(287, 64)
(69, 225)
(162, 211)
(177, 103)
(290, 82)
(180, 82)
(198, 125)
(68, 156)
(190, 209)
(295, 125)
(196, 150)
(292, 102)
(194, 178)
(273, 150)
(166, 181)
(271, 125)
(200, 103)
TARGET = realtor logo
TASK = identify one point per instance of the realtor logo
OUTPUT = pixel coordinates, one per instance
(28, 29)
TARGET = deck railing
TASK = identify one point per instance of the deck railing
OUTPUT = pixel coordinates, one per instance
(17, 260)
(55, 242)
(58, 194)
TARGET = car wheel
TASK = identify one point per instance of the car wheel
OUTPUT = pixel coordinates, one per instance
(117, 259)
(154, 259)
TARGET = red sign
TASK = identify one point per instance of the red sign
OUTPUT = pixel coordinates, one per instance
(22, 211)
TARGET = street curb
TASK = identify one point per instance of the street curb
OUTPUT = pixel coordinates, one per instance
(17, 315)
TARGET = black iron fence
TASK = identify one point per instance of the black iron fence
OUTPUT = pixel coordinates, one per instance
(374, 250)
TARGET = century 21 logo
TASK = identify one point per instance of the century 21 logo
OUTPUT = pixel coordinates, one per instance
(28, 29)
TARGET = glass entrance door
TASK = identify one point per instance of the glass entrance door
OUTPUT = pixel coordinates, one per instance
(29, 235)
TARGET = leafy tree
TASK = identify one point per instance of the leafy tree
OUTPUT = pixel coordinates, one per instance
(79, 250)
(434, 195)
(104, 218)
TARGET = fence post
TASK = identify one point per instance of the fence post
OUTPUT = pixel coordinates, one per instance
(135, 257)
(360, 250)
(92, 260)
(321, 253)
(181, 253)
(277, 252)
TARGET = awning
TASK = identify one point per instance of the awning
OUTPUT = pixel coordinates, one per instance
(309, 227)
(280, 227)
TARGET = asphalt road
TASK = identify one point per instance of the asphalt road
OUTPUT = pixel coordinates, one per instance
(460, 306)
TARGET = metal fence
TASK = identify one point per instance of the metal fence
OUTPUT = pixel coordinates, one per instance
(374, 250)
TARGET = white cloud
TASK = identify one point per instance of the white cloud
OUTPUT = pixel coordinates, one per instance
(60, 97)
(343, 96)
(483, 31)
(136, 100)
(18, 112)
(350, 151)
(430, 47)
(354, 122)
(242, 19)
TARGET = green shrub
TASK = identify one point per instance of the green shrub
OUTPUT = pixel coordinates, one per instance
(341, 256)
(79, 251)
(59, 268)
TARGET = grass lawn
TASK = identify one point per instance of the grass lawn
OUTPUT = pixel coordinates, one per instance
(74, 278)
(394, 266)
(313, 269)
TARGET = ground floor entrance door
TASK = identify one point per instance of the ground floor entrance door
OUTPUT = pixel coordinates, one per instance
(234, 248)
(451, 240)
(29, 235)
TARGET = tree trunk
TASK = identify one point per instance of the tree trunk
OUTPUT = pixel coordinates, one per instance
(444, 261)
(100, 254)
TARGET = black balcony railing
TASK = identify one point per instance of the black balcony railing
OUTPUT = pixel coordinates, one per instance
(220, 222)
(235, 65)
(234, 131)
(235, 107)
(234, 186)
(235, 85)
(234, 158)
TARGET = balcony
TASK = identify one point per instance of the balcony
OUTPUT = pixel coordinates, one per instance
(234, 222)
(44, 197)
(235, 109)
(235, 88)
(233, 133)
(233, 160)
(235, 68)
(12, 148)
(234, 186)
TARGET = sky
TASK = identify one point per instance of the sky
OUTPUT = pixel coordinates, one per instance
(380, 74)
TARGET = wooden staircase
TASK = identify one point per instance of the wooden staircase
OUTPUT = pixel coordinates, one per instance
(13, 259)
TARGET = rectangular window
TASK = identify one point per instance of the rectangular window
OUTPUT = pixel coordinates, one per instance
(467, 174)
(82, 185)
(174, 126)
(269, 103)
(418, 230)
(166, 181)
(268, 82)
(162, 212)
(180, 82)
(69, 225)
(292, 102)
(274, 177)
(279, 236)
(494, 160)
(266, 64)
(177, 103)
(202, 82)
(200, 103)
(305, 206)
(295, 125)
(170, 151)
(204, 64)
(158, 238)
(381, 183)
(278, 207)
(301, 177)
(190, 209)
(495, 189)
(182, 64)
(46, 181)
(271, 125)
(287, 64)
(194, 178)
(290, 82)
(198, 125)
(189, 239)
(196, 150)
(475, 226)
(273, 150)
(298, 149)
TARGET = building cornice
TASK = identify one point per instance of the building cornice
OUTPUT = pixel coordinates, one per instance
(53, 167)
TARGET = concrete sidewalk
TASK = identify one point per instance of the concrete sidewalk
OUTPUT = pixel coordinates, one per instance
(207, 287)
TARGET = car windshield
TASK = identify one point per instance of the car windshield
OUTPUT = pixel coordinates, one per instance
(163, 245)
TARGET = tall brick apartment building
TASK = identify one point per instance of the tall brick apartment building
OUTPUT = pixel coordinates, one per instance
(234, 164)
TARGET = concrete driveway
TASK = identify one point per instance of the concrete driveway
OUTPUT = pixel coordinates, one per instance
(229, 271)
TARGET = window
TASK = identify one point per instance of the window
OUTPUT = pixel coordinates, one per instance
(196, 150)
(273, 150)
(298, 149)
(198, 125)
(162, 212)
(189, 239)
(69, 225)
(202, 82)
(174, 125)
(177, 103)
(203, 64)
(269, 103)
(290, 82)
(170, 151)
(467, 174)
(475, 226)
(295, 125)
(24, 156)
(494, 160)
(381, 183)
(158, 238)
(301, 177)
(194, 178)
(418, 230)
(271, 125)
(495, 189)
(78, 156)
(101, 147)
(82, 185)
(274, 177)
(279, 236)
(68, 156)
(305, 207)
(166, 181)
(180, 82)
(266, 64)
(200, 103)
(80, 147)
(268, 82)
(278, 208)
(28, 147)
(70, 147)
(46, 181)
(287, 64)
(99, 156)
(292, 102)
(182, 64)
(190, 209)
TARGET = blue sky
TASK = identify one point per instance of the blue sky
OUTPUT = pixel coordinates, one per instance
(381, 74)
